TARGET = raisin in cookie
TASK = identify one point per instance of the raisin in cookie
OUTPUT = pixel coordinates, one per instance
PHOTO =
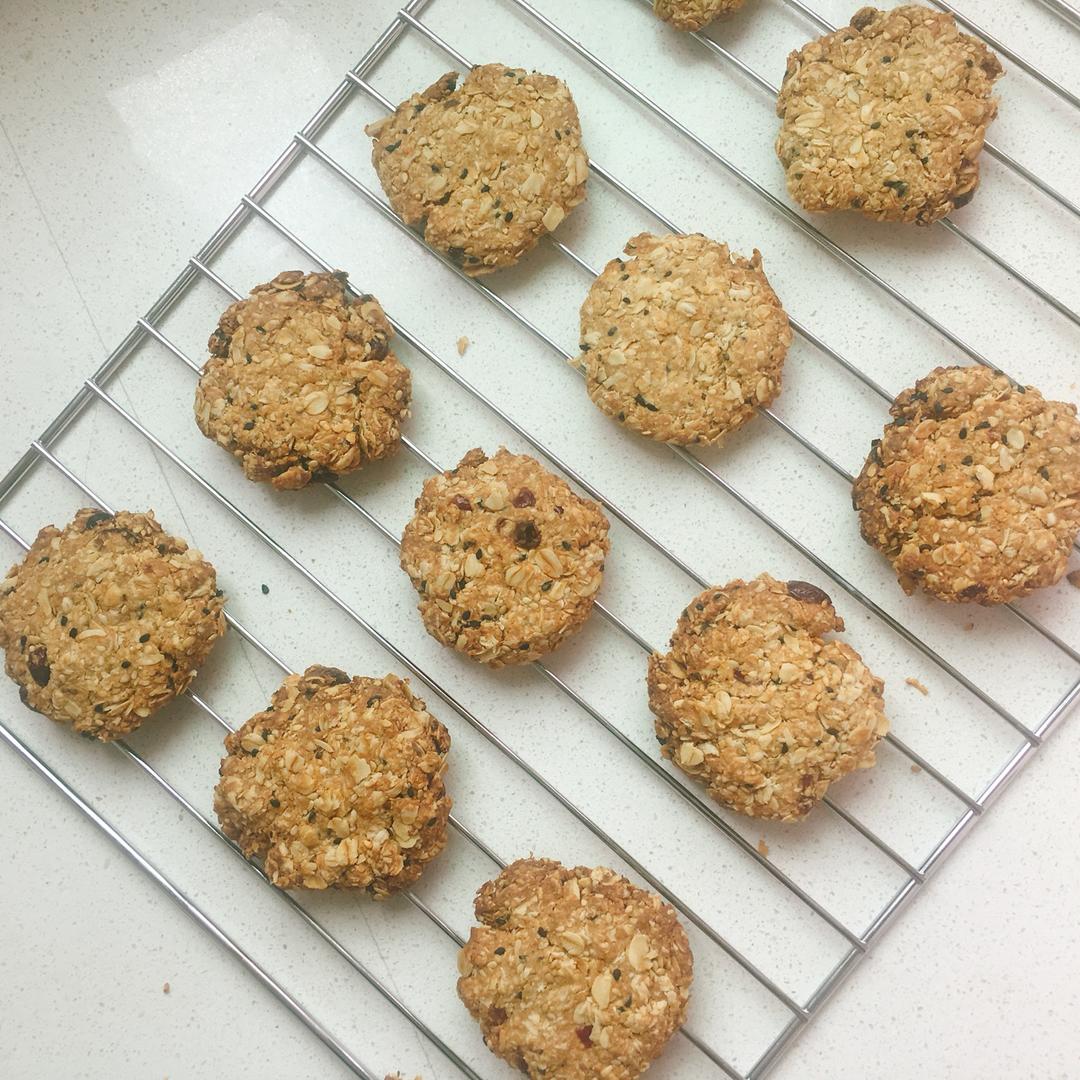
(973, 491)
(301, 382)
(485, 169)
(754, 701)
(506, 558)
(576, 973)
(338, 783)
(693, 14)
(683, 340)
(887, 116)
(108, 619)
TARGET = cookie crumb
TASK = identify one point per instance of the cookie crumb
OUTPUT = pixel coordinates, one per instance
(918, 685)
(763, 848)
(969, 626)
(462, 345)
(166, 988)
(916, 768)
(1074, 578)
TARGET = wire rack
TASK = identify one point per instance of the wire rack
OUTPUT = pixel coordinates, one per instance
(774, 930)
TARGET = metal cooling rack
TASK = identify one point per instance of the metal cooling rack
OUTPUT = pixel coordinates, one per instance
(705, 1054)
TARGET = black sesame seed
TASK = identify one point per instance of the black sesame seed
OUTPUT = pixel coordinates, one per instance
(144, 638)
(73, 632)
(265, 589)
(125, 663)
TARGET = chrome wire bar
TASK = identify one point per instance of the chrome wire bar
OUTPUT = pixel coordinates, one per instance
(1064, 10)
(186, 904)
(992, 149)
(470, 718)
(629, 193)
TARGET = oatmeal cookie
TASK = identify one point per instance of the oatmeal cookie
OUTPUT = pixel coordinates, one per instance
(301, 383)
(753, 701)
(338, 783)
(693, 14)
(506, 558)
(973, 491)
(574, 974)
(887, 116)
(106, 620)
(683, 340)
(485, 169)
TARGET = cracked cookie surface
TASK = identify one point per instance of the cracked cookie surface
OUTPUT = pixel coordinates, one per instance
(301, 382)
(575, 973)
(887, 116)
(973, 490)
(506, 559)
(683, 340)
(338, 784)
(753, 701)
(693, 14)
(485, 168)
(105, 621)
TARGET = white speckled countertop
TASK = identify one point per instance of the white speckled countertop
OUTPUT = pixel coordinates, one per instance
(128, 130)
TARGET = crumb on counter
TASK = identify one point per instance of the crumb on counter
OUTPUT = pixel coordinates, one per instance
(763, 848)
(918, 685)
(462, 345)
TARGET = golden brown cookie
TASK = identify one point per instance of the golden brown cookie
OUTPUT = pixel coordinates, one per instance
(887, 116)
(574, 974)
(338, 783)
(506, 558)
(107, 620)
(755, 702)
(301, 382)
(486, 168)
(973, 491)
(693, 14)
(683, 340)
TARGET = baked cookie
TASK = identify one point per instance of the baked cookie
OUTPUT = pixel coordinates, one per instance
(338, 783)
(574, 974)
(683, 340)
(694, 14)
(887, 116)
(973, 491)
(484, 170)
(108, 619)
(753, 701)
(506, 558)
(301, 382)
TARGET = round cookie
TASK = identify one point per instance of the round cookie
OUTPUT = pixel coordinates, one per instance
(338, 783)
(754, 702)
(574, 974)
(486, 169)
(683, 340)
(693, 14)
(973, 491)
(301, 383)
(887, 116)
(107, 620)
(506, 558)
